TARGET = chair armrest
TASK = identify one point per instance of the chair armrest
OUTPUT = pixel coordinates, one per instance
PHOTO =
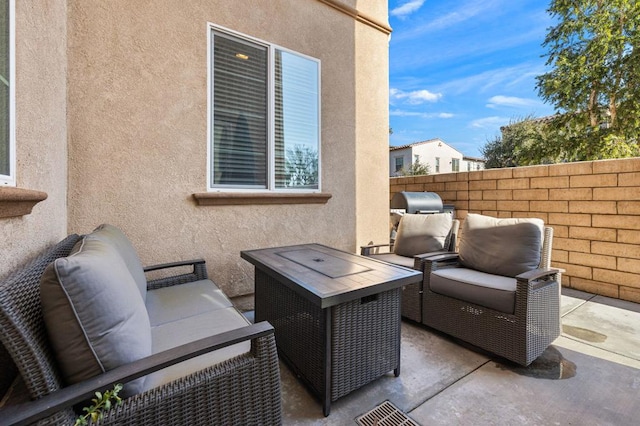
(367, 250)
(443, 257)
(30, 412)
(420, 260)
(431, 256)
(536, 274)
(174, 264)
(199, 272)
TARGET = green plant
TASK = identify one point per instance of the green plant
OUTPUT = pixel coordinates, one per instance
(415, 169)
(101, 403)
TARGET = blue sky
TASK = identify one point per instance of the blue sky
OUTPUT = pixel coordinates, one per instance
(461, 69)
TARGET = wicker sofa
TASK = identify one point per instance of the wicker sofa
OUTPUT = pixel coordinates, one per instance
(82, 317)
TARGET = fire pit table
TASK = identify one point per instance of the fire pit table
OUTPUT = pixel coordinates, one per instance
(336, 315)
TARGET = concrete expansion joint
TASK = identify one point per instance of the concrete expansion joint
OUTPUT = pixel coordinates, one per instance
(452, 384)
(579, 305)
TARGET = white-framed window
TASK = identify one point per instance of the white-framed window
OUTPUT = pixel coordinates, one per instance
(437, 164)
(7, 94)
(264, 112)
(455, 164)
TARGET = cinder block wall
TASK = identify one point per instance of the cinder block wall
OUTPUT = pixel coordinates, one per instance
(593, 207)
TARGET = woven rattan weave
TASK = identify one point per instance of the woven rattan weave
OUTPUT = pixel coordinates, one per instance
(337, 333)
(244, 390)
(520, 337)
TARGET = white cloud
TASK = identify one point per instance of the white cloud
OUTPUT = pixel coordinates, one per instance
(490, 79)
(415, 97)
(489, 122)
(402, 113)
(407, 8)
(457, 14)
(511, 101)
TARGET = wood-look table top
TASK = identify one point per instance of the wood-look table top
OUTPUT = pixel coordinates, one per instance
(328, 276)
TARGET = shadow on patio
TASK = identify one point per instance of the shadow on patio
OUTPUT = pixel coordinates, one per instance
(589, 376)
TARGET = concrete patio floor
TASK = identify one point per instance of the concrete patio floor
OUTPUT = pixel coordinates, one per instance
(589, 376)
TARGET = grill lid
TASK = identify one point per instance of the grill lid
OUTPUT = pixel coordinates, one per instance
(417, 202)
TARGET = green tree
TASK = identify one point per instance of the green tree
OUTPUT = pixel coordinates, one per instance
(416, 169)
(523, 142)
(594, 80)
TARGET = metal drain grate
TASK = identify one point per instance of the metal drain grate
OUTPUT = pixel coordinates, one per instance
(385, 414)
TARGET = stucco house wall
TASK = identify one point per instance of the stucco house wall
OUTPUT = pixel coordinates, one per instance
(137, 127)
(41, 132)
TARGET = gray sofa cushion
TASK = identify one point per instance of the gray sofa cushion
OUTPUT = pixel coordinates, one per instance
(501, 246)
(95, 317)
(422, 233)
(121, 243)
(493, 291)
(185, 300)
(172, 334)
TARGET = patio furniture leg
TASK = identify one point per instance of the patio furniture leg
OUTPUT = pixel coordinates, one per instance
(326, 403)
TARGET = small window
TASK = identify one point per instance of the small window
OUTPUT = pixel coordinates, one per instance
(437, 164)
(399, 163)
(265, 124)
(7, 92)
(455, 164)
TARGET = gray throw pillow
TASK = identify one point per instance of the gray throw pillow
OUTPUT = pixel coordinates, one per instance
(422, 233)
(94, 315)
(505, 247)
(121, 243)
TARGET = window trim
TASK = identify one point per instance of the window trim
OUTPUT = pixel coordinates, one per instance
(271, 184)
(10, 179)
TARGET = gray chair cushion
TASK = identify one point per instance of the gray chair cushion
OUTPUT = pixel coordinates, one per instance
(493, 291)
(501, 246)
(185, 300)
(95, 317)
(422, 233)
(121, 243)
(172, 334)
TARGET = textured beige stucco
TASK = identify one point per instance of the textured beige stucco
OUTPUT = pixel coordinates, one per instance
(41, 130)
(137, 108)
(372, 130)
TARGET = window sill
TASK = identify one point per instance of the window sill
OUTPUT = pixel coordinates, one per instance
(18, 202)
(238, 198)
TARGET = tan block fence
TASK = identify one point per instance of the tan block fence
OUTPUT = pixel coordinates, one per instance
(593, 207)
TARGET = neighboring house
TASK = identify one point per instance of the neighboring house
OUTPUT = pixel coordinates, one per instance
(435, 153)
(200, 129)
(470, 164)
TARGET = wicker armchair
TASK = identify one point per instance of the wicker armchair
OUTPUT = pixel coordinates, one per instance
(516, 316)
(415, 256)
(242, 390)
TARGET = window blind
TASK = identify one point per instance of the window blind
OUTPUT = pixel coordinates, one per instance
(239, 113)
